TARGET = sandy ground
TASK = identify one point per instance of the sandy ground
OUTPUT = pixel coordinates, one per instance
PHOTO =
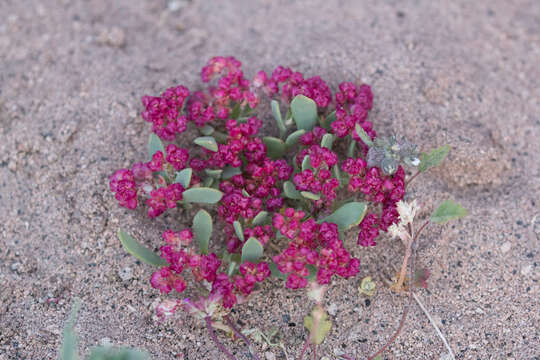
(463, 72)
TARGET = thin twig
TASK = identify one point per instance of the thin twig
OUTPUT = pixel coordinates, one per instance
(306, 345)
(314, 351)
(435, 326)
(411, 179)
(215, 339)
(242, 336)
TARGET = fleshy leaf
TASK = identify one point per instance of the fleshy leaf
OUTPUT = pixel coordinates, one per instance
(367, 286)
(275, 147)
(155, 145)
(448, 210)
(275, 271)
(139, 251)
(238, 230)
(304, 112)
(214, 173)
(114, 353)
(229, 172)
(363, 135)
(207, 142)
(279, 120)
(202, 195)
(252, 250)
(434, 158)
(347, 216)
(235, 112)
(69, 351)
(319, 332)
(290, 191)
(260, 218)
(327, 141)
(310, 195)
(183, 177)
(202, 230)
(292, 139)
(306, 163)
(312, 272)
(207, 130)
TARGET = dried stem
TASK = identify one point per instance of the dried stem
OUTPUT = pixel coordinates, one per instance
(435, 326)
(242, 336)
(314, 351)
(411, 179)
(306, 345)
(215, 339)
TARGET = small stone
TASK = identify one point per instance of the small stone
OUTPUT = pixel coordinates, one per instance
(445, 356)
(105, 341)
(176, 5)
(115, 37)
(526, 270)
(506, 247)
(269, 355)
(332, 309)
(125, 273)
(338, 352)
(12, 165)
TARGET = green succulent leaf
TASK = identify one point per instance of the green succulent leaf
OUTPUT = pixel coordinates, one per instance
(304, 112)
(202, 230)
(306, 163)
(214, 173)
(229, 172)
(236, 110)
(279, 120)
(252, 250)
(448, 210)
(327, 141)
(347, 216)
(363, 135)
(207, 142)
(139, 251)
(274, 271)
(274, 147)
(310, 195)
(183, 177)
(290, 191)
(207, 130)
(202, 195)
(292, 139)
(155, 145)
(114, 353)
(434, 158)
(312, 272)
(208, 182)
(317, 333)
(68, 351)
(260, 218)
(238, 230)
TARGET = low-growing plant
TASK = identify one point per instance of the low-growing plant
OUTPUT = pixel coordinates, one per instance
(286, 200)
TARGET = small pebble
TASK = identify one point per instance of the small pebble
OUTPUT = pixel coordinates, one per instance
(332, 309)
(269, 355)
(506, 247)
(125, 273)
(526, 270)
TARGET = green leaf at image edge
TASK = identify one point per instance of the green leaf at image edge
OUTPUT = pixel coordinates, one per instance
(347, 216)
(317, 335)
(202, 229)
(155, 145)
(138, 250)
(252, 250)
(68, 351)
(292, 139)
(304, 112)
(202, 195)
(434, 158)
(448, 210)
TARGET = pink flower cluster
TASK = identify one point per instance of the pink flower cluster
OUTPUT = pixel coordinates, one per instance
(379, 189)
(165, 112)
(293, 84)
(352, 106)
(318, 246)
(318, 181)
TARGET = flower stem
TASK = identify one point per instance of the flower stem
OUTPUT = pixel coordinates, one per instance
(306, 345)
(215, 339)
(242, 336)
(411, 179)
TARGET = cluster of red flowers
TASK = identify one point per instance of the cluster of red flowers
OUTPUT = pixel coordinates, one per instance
(254, 182)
